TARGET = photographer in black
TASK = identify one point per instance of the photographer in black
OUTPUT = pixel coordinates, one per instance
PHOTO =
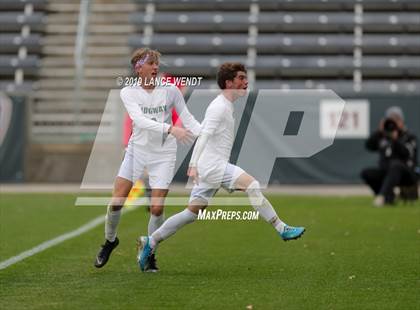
(397, 157)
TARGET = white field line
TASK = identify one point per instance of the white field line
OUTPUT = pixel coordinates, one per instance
(170, 201)
(57, 240)
(300, 190)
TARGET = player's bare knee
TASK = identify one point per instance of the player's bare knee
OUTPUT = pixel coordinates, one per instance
(156, 210)
(122, 187)
(197, 204)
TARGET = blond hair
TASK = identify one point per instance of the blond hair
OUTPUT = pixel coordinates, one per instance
(142, 53)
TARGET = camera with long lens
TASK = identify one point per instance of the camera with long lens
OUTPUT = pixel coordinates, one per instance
(390, 126)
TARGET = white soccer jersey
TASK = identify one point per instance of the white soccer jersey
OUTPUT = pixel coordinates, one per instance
(151, 113)
(150, 147)
(219, 125)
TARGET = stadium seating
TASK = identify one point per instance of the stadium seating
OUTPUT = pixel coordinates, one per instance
(302, 42)
(68, 103)
(15, 21)
(9, 86)
(305, 22)
(313, 5)
(11, 43)
(309, 66)
(370, 87)
(8, 65)
(22, 24)
(290, 44)
(280, 43)
(18, 5)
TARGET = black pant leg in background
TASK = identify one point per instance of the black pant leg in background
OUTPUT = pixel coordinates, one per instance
(397, 174)
(374, 177)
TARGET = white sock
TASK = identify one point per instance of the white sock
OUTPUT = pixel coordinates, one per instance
(264, 207)
(172, 225)
(112, 219)
(154, 223)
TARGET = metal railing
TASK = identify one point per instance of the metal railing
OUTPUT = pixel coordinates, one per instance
(79, 56)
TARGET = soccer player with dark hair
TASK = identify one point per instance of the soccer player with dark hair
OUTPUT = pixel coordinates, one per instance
(209, 167)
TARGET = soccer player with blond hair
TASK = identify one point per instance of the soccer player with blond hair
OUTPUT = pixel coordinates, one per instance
(152, 145)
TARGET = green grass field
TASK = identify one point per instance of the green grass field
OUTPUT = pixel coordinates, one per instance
(353, 256)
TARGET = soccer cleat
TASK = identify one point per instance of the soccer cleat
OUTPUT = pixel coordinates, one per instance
(144, 253)
(292, 233)
(105, 252)
(152, 265)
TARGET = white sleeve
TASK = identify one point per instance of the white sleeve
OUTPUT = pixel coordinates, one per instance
(135, 113)
(211, 123)
(213, 118)
(198, 149)
(184, 114)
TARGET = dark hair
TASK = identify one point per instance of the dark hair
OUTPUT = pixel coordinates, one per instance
(227, 72)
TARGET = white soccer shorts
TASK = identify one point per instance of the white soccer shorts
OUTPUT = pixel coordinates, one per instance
(205, 191)
(160, 167)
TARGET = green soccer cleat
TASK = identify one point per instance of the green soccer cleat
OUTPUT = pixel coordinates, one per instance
(292, 233)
